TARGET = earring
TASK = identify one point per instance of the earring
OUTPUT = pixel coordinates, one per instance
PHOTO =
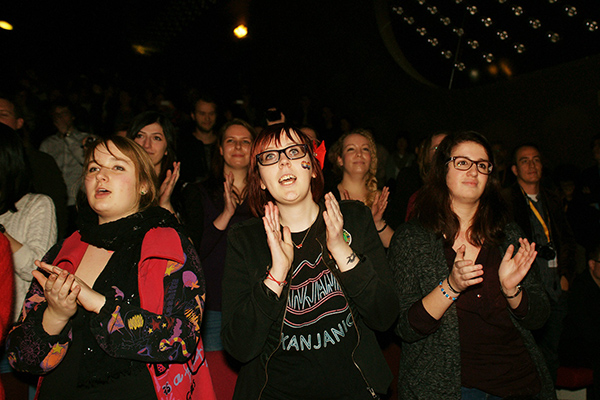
(143, 192)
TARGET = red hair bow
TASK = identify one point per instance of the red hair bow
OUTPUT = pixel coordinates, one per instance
(320, 152)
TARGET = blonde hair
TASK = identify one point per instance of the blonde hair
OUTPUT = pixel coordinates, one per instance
(141, 160)
(370, 178)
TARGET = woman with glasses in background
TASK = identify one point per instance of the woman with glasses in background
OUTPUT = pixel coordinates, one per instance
(305, 286)
(468, 297)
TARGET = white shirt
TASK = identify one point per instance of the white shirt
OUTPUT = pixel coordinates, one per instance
(34, 226)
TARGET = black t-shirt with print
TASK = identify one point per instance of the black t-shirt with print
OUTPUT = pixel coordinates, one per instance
(314, 359)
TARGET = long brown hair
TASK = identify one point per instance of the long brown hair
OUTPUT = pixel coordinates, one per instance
(433, 207)
(257, 197)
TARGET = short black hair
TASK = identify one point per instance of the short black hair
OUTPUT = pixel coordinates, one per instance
(15, 175)
(205, 97)
(62, 103)
(513, 158)
(594, 252)
(148, 118)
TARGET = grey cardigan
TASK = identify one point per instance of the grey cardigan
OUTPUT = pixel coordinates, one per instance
(430, 365)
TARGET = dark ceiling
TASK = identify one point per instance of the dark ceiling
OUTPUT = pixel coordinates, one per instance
(448, 43)
(461, 43)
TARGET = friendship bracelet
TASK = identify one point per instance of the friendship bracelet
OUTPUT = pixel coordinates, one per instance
(270, 277)
(450, 286)
(382, 229)
(446, 294)
(519, 289)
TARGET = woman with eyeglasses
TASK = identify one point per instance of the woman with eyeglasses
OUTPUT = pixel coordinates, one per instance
(468, 297)
(305, 285)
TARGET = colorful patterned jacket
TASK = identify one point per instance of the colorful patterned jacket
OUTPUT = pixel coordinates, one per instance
(165, 329)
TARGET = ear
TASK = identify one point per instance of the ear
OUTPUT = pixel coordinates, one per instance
(193, 116)
(340, 161)
(262, 185)
(591, 265)
(221, 150)
(514, 170)
(20, 122)
(144, 188)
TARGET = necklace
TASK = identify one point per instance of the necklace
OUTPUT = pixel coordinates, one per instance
(298, 246)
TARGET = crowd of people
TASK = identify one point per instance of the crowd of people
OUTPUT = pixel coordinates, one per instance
(145, 250)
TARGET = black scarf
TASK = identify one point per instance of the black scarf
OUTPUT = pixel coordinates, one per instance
(124, 232)
(124, 237)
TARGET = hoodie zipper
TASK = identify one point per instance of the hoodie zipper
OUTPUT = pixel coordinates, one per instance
(369, 388)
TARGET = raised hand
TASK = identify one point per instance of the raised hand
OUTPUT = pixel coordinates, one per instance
(379, 205)
(464, 273)
(281, 246)
(512, 270)
(334, 221)
(230, 201)
(166, 188)
(228, 195)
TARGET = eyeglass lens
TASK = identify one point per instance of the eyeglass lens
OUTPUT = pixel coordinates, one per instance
(464, 164)
(272, 156)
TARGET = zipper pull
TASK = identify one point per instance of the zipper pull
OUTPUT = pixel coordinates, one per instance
(373, 394)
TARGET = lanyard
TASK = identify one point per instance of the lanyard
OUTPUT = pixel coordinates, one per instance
(538, 216)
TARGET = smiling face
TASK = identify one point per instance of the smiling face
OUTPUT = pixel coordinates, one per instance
(466, 186)
(111, 184)
(356, 155)
(152, 139)
(288, 181)
(235, 147)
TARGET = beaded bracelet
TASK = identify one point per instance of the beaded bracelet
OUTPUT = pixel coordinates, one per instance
(446, 294)
(450, 286)
(270, 277)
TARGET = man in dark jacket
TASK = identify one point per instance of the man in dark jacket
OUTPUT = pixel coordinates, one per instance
(539, 213)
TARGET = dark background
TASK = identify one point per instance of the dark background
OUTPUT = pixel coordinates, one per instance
(330, 50)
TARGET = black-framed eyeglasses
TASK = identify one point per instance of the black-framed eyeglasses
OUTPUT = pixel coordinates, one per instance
(292, 152)
(464, 164)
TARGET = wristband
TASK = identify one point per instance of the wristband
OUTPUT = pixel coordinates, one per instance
(382, 229)
(270, 277)
(519, 289)
(450, 286)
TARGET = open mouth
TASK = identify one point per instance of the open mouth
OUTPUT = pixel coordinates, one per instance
(287, 179)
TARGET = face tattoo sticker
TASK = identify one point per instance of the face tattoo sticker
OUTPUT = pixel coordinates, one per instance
(347, 237)
(305, 164)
